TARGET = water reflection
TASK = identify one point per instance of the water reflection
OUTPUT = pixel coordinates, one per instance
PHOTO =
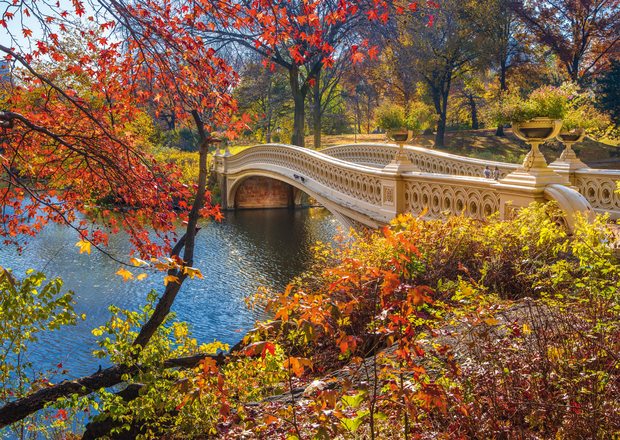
(248, 250)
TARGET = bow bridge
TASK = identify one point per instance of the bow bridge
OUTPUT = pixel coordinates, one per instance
(370, 184)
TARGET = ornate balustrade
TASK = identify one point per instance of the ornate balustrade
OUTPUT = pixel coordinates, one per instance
(339, 185)
(599, 188)
(359, 193)
(450, 195)
(430, 161)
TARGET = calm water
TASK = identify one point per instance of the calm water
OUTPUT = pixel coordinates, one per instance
(248, 250)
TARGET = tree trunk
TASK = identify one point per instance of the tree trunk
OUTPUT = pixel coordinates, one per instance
(299, 97)
(474, 112)
(440, 98)
(441, 130)
(503, 88)
(316, 109)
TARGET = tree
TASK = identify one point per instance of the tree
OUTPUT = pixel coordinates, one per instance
(468, 93)
(506, 44)
(64, 149)
(583, 34)
(364, 87)
(608, 92)
(266, 94)
(326, 94)
(438, 53)
(302, 37)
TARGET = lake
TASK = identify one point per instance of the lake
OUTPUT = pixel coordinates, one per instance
(248, 250)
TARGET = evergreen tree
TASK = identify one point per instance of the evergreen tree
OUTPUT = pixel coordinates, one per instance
(608, 96)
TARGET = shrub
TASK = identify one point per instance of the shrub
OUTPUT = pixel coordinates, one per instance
(565, 103)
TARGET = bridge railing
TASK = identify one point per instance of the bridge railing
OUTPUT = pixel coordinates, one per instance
(430, 161)
(352, 178)
(377, 194)
(344, 182)
(445, 196)
(597, 186)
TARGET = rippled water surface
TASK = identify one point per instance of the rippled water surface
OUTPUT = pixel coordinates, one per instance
(248, 250)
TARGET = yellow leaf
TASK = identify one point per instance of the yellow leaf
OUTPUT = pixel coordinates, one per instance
(526, 329)
(137, 262)
(192, 272)
(171, 278)
(84, 246)
(125, 274)
(492, 321)
(141, 277)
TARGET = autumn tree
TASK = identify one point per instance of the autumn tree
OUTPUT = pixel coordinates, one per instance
(583, 34)
(506, 43)
(396, 74)
(302, 37)
(468, 93)
(437, 53)
(64, 149)
(265, 93)
(608, 92)
(364, 88)
(327, 94)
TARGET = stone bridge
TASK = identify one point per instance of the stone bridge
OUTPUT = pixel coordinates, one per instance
(364, 185)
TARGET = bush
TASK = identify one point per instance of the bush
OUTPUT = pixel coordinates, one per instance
(417, 117)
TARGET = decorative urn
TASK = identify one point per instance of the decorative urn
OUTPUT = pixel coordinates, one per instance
(535, 132)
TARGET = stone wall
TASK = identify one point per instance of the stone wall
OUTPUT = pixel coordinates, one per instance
(263, 192)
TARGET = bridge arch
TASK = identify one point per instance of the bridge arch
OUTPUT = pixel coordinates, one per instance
(235, 183)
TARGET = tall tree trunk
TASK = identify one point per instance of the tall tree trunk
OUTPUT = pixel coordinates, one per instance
(316, 109)
(440, 99)
(474, 112)
(503, 88)
(299, 97)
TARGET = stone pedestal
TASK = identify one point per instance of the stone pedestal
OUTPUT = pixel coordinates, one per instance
(392, 196)
(568, 163)
(527, 183)
(401, 164)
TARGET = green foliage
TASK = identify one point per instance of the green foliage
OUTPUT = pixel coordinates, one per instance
(453, 328)
(565, 103)
(417, 117)
(29, 308)
(552, 359)
(422, 116)
(185, 162)
(184, 139)
(160, 406)
(608, 96)
(390, 117)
